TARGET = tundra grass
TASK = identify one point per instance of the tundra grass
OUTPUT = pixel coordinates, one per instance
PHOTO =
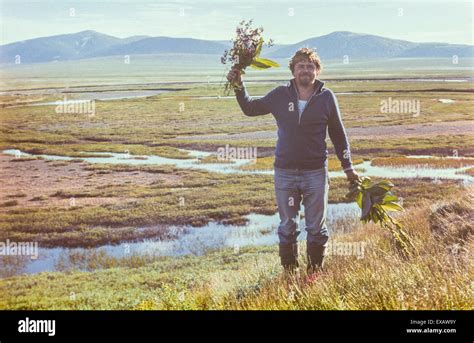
(435, 278)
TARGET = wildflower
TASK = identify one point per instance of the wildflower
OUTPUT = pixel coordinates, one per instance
(245, 52)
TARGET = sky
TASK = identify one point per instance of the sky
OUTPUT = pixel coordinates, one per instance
(283, 21)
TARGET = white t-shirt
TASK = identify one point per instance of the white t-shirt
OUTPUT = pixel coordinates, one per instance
(301, 105)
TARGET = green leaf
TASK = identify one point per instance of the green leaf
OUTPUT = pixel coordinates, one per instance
(365, 182)
(387, 185)
(376, 215)
(358, 200)
(258, 65)
(375, 201)
(389, 197)
(264, 62)
(392, 206)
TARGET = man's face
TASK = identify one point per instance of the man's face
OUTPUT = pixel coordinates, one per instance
(305, 72)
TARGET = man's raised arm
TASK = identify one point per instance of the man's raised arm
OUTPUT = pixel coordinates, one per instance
(250, 107)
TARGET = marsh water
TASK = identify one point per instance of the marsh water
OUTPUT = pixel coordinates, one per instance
(259, 230)
(234, 166)
(185, 240)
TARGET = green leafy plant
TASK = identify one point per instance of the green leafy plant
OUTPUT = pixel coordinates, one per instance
(245, 52)
(376, 200)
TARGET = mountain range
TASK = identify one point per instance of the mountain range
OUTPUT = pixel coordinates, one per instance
(335, 45)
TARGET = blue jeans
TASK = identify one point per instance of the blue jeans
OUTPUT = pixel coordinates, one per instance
(292, 185)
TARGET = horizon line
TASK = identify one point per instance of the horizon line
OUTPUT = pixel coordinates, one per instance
(223, 40)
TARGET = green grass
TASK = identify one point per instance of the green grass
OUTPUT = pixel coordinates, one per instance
(222, 279)
(153, 126)
(156, 119)
(434, 278)
(266, 163)
(439, 145)
(424, 162)
(195, 198)
(113, 72)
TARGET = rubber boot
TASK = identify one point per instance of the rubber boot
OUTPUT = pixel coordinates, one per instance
(289, 256)
(315, 255)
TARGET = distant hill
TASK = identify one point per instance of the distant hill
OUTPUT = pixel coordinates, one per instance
(89, 44)
(57, 48)
(155, 45)
(357, 46)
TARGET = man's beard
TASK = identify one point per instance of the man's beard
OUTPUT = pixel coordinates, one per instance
(305, 80)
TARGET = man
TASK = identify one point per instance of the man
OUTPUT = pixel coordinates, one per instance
(303, 110)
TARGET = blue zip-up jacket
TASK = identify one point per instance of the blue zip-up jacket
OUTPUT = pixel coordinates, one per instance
(301, 137)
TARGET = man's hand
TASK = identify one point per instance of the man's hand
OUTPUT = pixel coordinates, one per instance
(352, 176)
(235, 76)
